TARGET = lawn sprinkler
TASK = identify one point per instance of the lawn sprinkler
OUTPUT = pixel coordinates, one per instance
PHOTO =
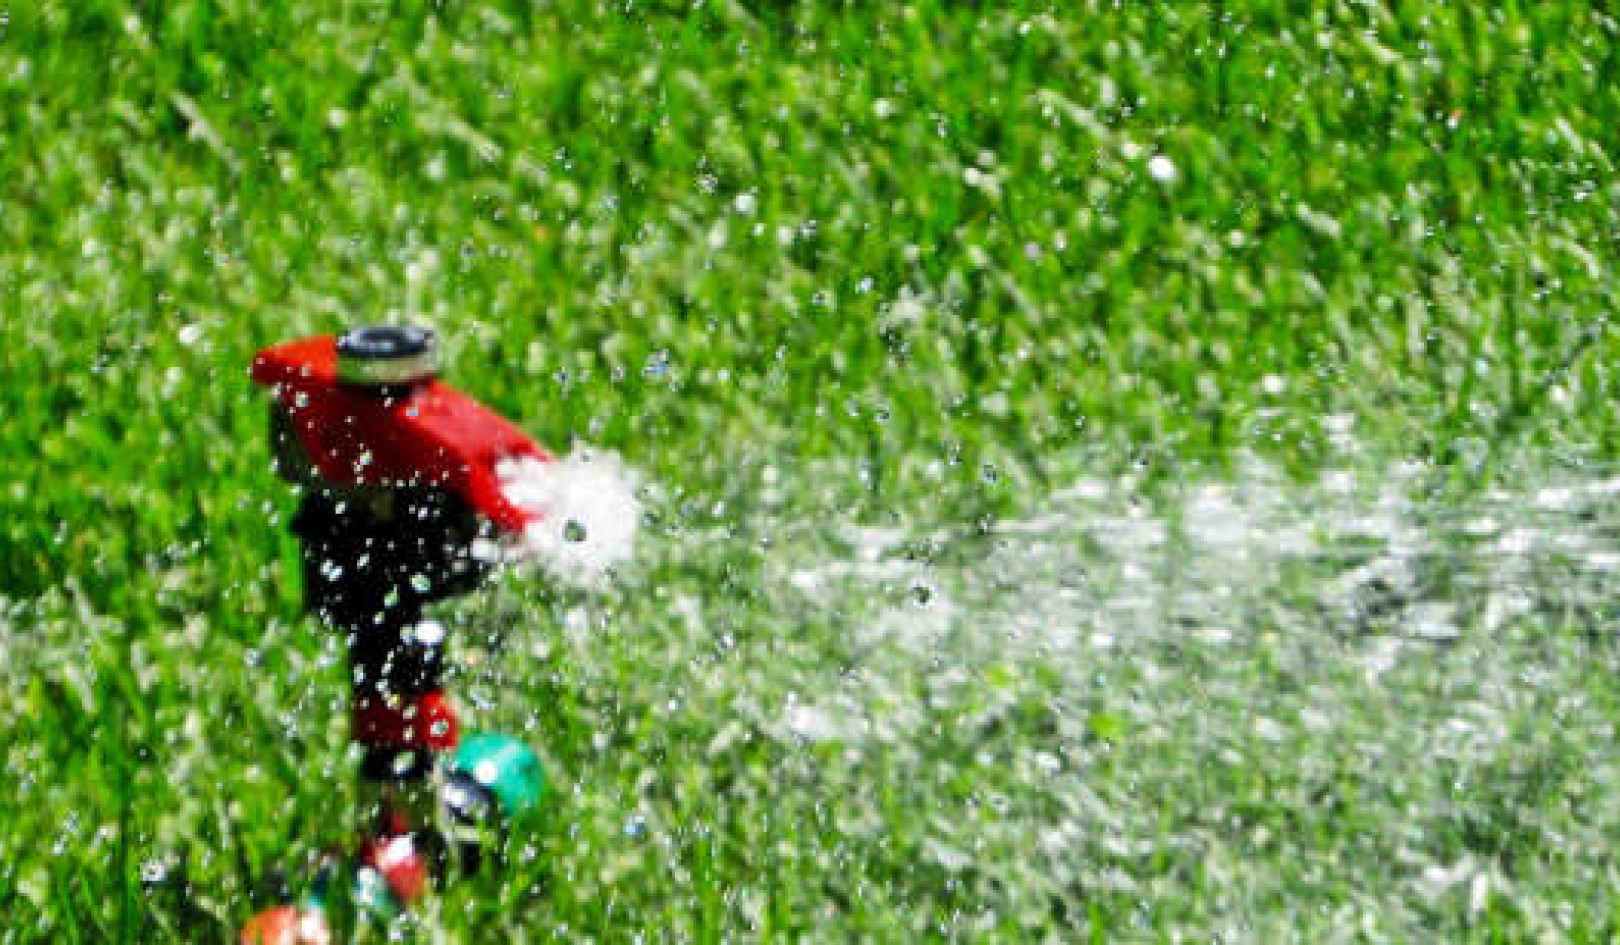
(401, 489)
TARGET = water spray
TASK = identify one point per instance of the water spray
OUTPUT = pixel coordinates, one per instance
(406, 485)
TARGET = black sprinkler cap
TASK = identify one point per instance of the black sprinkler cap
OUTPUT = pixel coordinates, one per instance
(383, 355)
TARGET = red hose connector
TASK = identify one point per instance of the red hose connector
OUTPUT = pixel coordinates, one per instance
(425, 723)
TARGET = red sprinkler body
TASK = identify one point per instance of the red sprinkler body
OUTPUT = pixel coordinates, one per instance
(384, 433)
(400, 482)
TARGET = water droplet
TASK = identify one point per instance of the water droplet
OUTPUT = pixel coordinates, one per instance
(154, 871)
(1162, 169)
(429, 632)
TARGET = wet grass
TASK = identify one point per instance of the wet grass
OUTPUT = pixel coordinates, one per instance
(818, 270)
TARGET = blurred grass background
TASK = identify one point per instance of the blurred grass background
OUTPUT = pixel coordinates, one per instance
(922, 260)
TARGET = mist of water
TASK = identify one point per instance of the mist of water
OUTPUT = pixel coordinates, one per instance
(1126, 670)
(588, 512)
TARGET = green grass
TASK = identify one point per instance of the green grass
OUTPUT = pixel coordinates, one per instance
(817, 267)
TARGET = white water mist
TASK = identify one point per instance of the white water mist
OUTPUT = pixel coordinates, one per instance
(588, 512)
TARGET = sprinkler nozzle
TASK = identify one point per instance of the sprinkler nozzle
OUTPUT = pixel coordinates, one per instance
(387, 355)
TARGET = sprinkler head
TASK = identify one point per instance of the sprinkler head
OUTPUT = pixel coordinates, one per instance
(366, 410)
(387, 356)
